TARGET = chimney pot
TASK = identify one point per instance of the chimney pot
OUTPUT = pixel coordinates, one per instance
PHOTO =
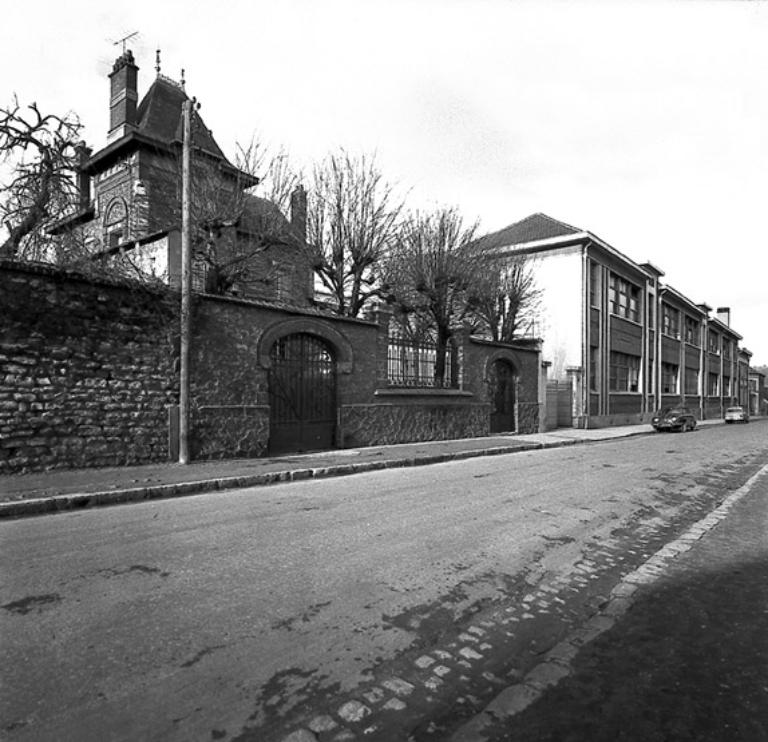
(724, 315)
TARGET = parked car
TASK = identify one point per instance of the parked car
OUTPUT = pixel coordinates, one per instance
(674, 418)
(736, 415)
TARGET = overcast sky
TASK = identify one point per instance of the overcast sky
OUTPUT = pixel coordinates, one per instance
(645, 123)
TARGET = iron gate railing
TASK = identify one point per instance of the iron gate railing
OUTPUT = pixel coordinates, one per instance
(412, 364)
(302, 392)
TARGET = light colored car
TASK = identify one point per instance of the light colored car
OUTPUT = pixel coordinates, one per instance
(736, 415)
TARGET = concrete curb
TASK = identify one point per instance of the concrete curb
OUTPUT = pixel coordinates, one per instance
(81, 501)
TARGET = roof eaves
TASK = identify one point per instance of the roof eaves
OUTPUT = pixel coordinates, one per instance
(544, 244)
(71, 220)
(111, 150)
(682, 298)
(725, 328)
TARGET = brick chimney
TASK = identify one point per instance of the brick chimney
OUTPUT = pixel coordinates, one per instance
(83, 179)
(724, 315)
(123, 96)
(299, 213)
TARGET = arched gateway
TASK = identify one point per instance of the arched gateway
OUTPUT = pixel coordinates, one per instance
(502, 381)
(302, 394)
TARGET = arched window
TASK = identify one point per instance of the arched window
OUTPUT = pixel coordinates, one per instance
(116, 222)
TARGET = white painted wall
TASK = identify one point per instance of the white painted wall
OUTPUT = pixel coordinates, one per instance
(558, 275)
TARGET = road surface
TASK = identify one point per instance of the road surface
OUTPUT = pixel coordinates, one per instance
(251, 613)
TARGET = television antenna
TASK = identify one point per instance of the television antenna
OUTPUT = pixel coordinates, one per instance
(124, 39)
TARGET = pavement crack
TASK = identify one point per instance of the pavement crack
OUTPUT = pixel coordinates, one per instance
(32, 603)
(202, 653)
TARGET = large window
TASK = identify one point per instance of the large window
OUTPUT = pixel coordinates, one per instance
(713, 385)
(726, 348)
(670, 321)
(624, 298)
(691, 380)
(726, 386)
(594, 284)
(624, 372)
(713, 343)
(692, 334)
(669, 373)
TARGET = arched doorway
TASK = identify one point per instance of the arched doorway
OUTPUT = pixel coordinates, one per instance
(302, 394)
(502, 382)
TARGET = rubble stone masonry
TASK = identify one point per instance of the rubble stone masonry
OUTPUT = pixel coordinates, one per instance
(89, 375)
(86, 372)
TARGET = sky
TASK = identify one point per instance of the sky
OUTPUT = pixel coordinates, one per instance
(645, 123)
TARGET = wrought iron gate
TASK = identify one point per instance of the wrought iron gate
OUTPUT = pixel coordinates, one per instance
(502, 393)
(302, 394)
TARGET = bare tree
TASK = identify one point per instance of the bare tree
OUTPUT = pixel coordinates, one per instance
(504, 298)
(430, 274)
(41, 150)
(353, 215)
(239, 214)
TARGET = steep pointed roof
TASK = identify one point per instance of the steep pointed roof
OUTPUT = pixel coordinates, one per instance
(534, 227)
(159, 117)
(159, 126)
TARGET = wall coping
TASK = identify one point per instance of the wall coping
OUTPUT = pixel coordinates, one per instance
(309, 312)
(57, 273)
(312, 325)
(419, 392)
(534, 347)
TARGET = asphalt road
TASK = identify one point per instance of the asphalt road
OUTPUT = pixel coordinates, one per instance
(237, 615)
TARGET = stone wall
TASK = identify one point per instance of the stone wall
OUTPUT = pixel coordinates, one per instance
(86, 372)
(417, 419)
(230, 351)
(89, 376)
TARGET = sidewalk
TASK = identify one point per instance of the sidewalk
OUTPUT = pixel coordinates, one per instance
(68, 489)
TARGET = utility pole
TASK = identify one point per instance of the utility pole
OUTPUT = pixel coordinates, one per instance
(186, 284)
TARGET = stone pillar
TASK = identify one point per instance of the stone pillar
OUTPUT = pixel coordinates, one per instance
(382, 315)
(544, 367)
(576, 381)
(457, 348)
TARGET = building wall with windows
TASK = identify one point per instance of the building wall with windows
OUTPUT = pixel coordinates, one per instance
(758, 404)
(640, 344)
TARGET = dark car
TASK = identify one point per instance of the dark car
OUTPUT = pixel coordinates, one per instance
(674, 418)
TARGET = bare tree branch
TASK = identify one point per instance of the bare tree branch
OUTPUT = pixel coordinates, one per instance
(236, 223)
(41, 150)
(429, 275)
(353, 216)
(504, 299)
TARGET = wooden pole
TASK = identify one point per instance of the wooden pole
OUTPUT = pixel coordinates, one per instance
(186, 286)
